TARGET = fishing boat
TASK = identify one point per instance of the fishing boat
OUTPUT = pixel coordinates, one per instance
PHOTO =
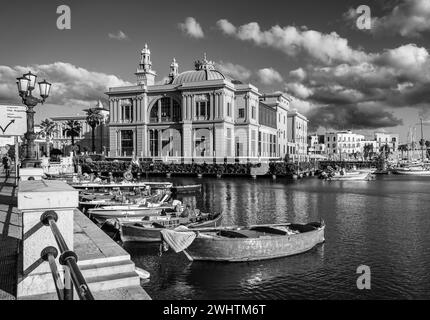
(351, 176)
(104, 213)
(187, 189)
(413, 170)
(89, 201)
(122, 185)
(150, 230)
(227, 244)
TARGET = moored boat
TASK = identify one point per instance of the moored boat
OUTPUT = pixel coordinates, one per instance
(102, 214)
(150, 230)
(125, 184)
(352, 176)
(187, 188)
(417, 170)
(245, 244)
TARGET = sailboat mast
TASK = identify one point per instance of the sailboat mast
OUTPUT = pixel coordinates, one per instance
(422, 141)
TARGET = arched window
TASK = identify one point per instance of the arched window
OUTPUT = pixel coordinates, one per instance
(165, 110)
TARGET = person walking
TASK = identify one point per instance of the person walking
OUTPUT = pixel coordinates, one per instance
(6, 165)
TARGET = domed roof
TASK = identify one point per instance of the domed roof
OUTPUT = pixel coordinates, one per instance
(198, 76)
(205, 71)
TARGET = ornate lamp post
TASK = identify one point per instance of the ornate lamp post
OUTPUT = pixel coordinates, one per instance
(26, 85)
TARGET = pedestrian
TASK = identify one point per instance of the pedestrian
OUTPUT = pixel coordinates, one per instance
(6, 165)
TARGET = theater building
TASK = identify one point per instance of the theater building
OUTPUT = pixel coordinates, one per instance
(197, 114)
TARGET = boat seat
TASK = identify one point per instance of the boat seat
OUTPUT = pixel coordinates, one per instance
(232, 234)
(302, 227)
(239, 233)
(269, 230)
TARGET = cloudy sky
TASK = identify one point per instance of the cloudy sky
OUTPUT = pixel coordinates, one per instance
(341, 77)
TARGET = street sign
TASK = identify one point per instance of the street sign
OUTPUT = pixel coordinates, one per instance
(13, 120)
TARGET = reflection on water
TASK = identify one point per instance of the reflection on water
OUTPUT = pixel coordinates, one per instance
(384, 224)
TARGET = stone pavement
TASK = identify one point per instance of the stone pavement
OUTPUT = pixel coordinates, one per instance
(10, 237)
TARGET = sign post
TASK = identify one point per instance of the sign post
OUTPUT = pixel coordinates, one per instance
(13, 123)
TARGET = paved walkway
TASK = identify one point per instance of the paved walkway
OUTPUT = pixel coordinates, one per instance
(10, 237)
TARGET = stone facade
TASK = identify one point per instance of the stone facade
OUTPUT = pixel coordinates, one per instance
(196, 114)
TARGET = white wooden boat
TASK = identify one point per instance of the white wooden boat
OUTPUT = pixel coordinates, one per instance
(352, 176)
(245, 244)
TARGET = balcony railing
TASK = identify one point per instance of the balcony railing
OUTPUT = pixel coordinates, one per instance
(68, 259)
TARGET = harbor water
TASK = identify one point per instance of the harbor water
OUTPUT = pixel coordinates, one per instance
(383, 224)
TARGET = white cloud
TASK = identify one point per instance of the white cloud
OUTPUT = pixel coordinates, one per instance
(226, 27)
(269, 76)
(409, 19)
(298, 90)
(326, 48)
(118, 36)
(298, 74)
(72, 87)
(234, 71)
(192, 28)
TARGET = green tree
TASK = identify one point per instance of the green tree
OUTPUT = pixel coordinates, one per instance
(94, 118)
(367, 151)
(48, 129)
(73, 129)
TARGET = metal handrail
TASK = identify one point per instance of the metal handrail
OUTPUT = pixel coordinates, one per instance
(49, 254)
(67, 258)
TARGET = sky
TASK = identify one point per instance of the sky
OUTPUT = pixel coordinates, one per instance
(339, 76)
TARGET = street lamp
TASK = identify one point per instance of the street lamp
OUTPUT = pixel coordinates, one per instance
(26, 84)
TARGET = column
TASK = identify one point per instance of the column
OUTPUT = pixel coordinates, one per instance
(110, 108)
(212, 107)
(118, 110)
(246, 108)
(216, 105)
(118, 143)
(134, 106)
(211, 142)
(190, 107)
(221, 105)
(184, 107)
(160, 147)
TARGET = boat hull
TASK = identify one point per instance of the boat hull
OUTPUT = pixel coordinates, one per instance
(102, 215)
(253, 249)
(364, 176)
(424, 173)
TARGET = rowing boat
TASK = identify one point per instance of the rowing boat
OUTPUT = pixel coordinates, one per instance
(150, 230)
(245, 244)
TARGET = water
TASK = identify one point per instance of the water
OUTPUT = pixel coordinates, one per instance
(384, 224)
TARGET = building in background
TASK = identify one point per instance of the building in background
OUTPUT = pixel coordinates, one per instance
(62, 141)
(297, 132)
(316, 144)
(389, 139)
(344, 143)
(196, 114)
(281, 104)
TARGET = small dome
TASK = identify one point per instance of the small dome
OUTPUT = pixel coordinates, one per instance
(198, 76)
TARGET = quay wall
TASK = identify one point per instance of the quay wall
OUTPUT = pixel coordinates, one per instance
(279, 168)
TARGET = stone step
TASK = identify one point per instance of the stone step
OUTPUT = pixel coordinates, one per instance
(113, 281)
(107, 268)
(110, 259)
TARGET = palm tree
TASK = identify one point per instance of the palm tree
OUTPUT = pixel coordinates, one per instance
(73, 129)
(48, 128)
(94, 118)
(367, 150)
